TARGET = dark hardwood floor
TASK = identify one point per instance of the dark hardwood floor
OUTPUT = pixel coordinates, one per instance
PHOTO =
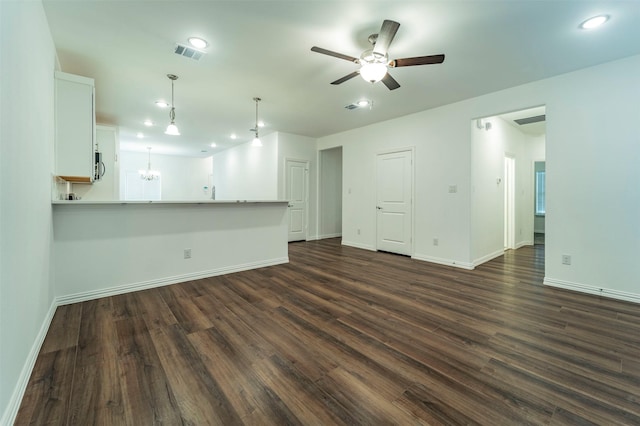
(344, 336)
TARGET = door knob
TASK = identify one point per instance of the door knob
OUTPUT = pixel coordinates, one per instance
(378, 207)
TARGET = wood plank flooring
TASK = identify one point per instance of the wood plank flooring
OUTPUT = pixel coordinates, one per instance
(348, 337)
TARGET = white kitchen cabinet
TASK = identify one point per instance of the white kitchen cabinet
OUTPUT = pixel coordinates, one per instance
(107, 188)
(74, 126)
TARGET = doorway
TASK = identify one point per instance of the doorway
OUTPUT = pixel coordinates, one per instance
(394, 207)
(330, 194)
(296, 190)
(539, 203)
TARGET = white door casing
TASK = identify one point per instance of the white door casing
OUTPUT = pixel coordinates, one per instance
(509, 201)
(394, 210)
(296, 190)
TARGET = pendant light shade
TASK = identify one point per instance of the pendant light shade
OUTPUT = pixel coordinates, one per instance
(256, 140)
(172, 129)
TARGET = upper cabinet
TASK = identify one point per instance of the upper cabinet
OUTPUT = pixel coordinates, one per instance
(74, 127)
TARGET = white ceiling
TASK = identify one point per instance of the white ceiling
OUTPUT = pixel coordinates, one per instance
(262, 48)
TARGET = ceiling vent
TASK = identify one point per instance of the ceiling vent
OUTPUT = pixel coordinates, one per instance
(188, 52)
(529, 120)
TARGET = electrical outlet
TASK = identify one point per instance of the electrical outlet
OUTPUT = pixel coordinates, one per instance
(435, 242)
(187, 253)
(566, 259)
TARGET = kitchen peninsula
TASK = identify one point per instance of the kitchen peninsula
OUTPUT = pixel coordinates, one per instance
(104, 248)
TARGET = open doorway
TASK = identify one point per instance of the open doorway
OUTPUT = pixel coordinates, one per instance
(504, 150)
(330, 194)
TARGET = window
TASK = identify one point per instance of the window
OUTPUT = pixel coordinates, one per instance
(540, 193)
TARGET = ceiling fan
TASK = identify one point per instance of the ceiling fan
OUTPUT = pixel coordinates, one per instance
(374, 63)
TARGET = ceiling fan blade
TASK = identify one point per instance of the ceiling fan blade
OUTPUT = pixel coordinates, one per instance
(346, 77)
(385, 36)
(390, 82)
(418, 60)
(334, 54)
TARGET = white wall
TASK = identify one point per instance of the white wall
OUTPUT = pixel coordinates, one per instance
(182, 178)
(26, 167)
(442, 158)
(251, 173)
(330, 193)
(593, 195)
(246, 172)
(142, 245)
(591, 156)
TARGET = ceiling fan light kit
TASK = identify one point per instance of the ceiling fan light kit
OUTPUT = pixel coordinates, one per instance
(374, 63)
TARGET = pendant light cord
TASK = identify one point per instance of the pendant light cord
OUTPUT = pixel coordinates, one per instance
(172, 113)
(256, 128)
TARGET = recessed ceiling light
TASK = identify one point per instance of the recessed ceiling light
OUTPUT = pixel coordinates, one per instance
(233, 136)
(594, 22)
(364, 103)
(213, 145)
(162, 104)
(148, 123)
(260, 123)
(198, 42)
(140, 135)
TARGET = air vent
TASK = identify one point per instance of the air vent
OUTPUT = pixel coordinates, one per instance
(188, 52)
(529, 120)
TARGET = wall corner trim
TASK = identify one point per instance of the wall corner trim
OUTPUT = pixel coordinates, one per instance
(9, 416)
(358, 245)
(488, 257)
(442, 261)
(589, 289)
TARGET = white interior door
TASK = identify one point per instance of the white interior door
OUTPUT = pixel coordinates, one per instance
(296, 192)
(394, 198)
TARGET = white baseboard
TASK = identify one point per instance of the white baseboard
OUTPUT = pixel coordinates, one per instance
(524, 243)
(325, 236)
(442, 261)
(488, 257)
(358, 245)
(128, 288)
(10, 413)
(583, 288)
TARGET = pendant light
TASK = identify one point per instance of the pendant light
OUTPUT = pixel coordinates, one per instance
(256, 140)
(149, 174)
(172, 129)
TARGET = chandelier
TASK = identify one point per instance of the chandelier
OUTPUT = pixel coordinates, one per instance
(149, 174)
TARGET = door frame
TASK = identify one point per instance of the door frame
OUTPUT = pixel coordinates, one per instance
(306, 189)
(510, 204)
(412, 150)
